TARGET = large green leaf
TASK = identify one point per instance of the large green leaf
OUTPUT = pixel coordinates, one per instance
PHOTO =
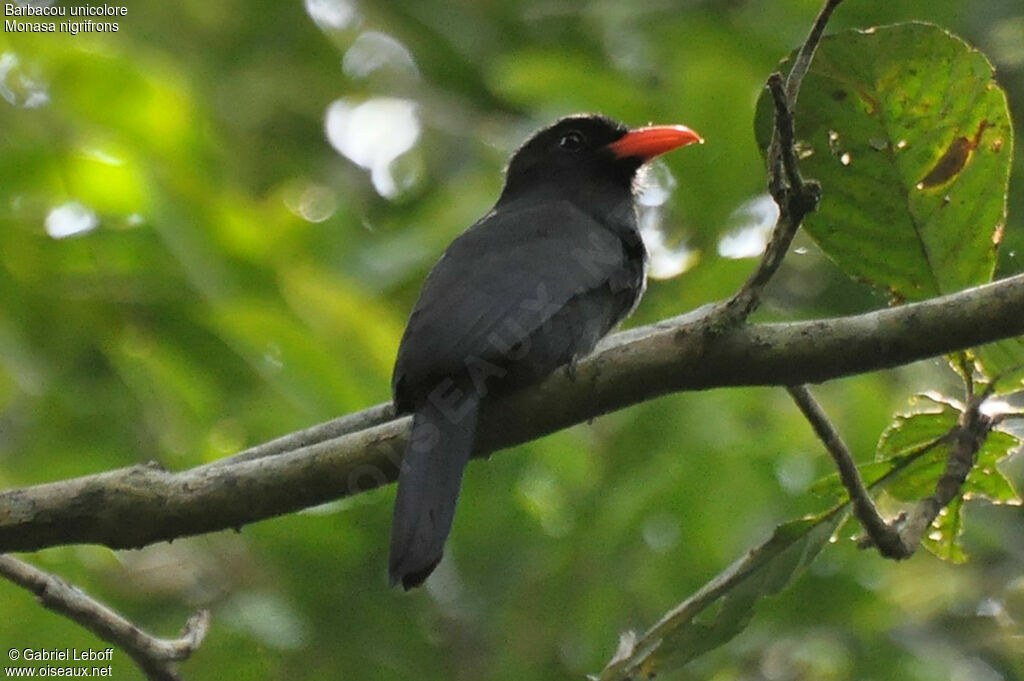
(910, 137)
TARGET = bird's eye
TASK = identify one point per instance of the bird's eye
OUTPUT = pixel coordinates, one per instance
(572, 141)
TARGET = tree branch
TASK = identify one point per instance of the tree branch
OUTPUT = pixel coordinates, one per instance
(882, 535)
(140, 505)
(154, 656)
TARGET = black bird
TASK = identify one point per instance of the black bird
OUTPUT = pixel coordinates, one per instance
(532, 286)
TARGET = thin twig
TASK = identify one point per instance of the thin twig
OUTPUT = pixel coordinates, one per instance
(1006, 416)
(794, 202)
(786, 99)
(882, 534)
(788, 177)
(154, 656)
(803, 59)
(795, 197)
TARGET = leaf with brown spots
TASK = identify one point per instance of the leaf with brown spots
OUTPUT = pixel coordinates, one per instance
(953, 161)
(910, 137)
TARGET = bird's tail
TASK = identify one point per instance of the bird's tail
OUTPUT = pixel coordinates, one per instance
(428, 488)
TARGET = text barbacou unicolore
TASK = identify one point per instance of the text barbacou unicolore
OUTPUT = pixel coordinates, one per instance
(73, 27)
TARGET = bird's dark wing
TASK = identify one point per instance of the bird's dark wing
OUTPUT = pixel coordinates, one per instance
(524, 290)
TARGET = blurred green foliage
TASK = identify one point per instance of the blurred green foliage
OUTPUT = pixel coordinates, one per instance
(187, 267)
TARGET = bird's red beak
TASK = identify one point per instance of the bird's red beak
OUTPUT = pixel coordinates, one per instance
(646, 143)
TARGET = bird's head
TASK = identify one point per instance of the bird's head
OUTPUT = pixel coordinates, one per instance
(588, 152)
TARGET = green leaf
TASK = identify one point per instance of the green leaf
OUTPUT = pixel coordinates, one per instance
(1002, 361)
(910, 137)
(943, 538)
(722, 608)
(986, 480)
(909, 432)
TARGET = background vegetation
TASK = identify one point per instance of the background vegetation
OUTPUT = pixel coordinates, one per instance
(213, 224)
